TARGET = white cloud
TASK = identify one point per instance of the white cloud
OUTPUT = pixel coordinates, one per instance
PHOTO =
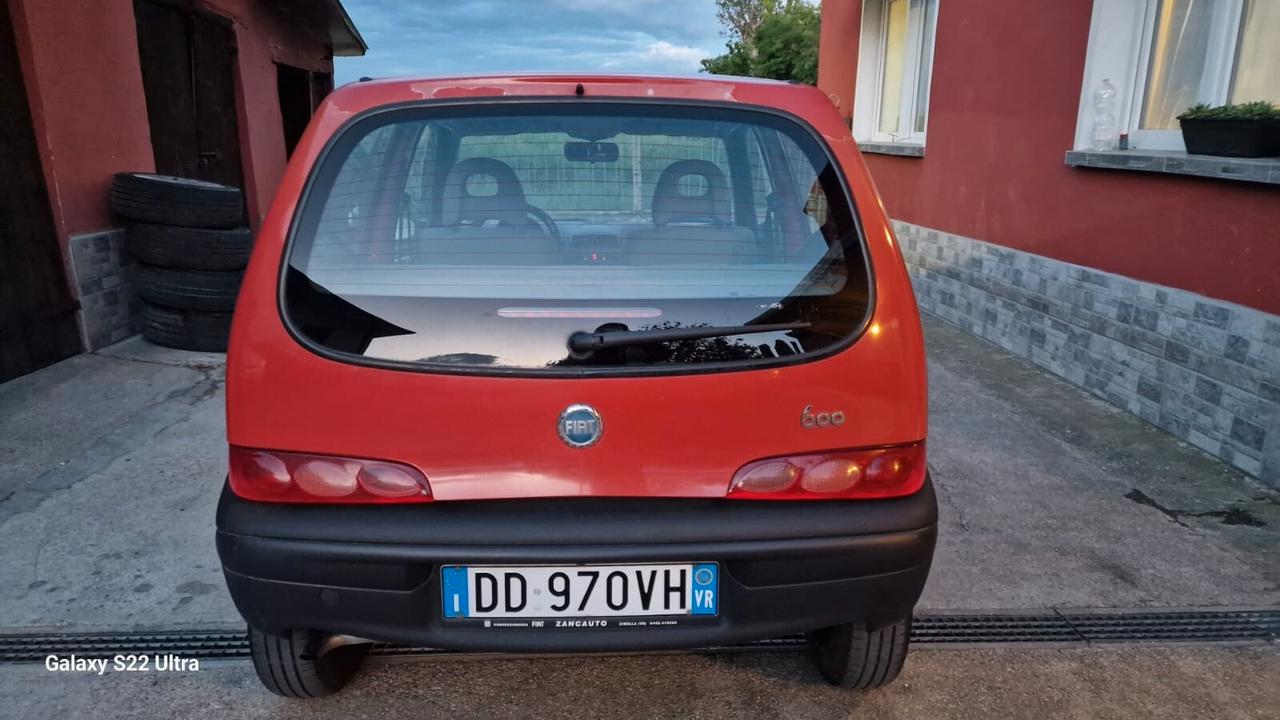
(608, 5)
(682, 54)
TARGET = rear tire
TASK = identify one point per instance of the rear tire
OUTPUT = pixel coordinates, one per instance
(290, 665)
(206, 290)
(852, 656)
(186, 329)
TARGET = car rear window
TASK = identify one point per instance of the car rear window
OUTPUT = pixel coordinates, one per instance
(575, 237)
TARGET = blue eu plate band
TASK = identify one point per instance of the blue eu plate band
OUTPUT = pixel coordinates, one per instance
(704, 599)
(455, 592)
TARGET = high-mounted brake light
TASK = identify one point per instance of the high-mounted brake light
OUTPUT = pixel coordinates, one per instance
(844, 474)
(273, 476)
(579, 313)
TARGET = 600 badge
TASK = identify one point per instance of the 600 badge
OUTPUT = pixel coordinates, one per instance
(834, 418)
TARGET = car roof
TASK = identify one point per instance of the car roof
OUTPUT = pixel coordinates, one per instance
(370, 93)
(528, 78)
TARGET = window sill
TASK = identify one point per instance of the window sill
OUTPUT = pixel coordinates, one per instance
(1171, 162)
(899, 149)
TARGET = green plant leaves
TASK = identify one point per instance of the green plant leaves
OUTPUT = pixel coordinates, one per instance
(1260, 110)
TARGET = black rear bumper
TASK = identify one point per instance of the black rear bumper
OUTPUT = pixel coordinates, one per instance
(373, 571)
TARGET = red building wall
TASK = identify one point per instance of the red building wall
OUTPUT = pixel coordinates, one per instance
(1002, 114)
(838, 51)
(81, 68)
(80, 65)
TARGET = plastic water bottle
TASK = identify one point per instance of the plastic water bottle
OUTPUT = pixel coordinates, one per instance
(1105, 133)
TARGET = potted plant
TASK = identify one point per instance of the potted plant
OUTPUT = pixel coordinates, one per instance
(1243, 130)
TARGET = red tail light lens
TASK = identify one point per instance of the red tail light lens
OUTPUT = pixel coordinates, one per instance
(302, 478)
(391, 481)
(845, 474)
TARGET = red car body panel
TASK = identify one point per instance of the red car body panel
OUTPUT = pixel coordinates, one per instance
(673, 435)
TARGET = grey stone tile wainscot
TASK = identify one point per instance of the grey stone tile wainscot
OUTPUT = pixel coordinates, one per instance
(1204, 370)
(102, 275)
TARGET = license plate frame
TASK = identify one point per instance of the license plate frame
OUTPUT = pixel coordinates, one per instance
(643, 592)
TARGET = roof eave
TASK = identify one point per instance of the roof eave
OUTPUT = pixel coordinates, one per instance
(346, 38)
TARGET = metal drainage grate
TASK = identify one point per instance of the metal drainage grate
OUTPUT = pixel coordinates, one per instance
(954, 629)
(1176, 627)
(1047, 628)
(1099, 627)
(214, 644)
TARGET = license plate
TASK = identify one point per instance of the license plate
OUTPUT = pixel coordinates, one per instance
(580, 590)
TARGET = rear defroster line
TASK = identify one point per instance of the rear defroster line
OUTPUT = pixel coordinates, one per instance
(1050, 628)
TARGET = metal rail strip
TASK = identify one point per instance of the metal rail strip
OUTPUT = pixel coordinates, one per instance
(1053, 628)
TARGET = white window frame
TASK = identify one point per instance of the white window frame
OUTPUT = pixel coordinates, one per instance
(870, 75)
(1120, 38)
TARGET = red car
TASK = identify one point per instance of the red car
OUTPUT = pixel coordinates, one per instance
(575, 363)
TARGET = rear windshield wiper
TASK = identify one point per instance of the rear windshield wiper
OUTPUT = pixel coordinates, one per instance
(584, 342)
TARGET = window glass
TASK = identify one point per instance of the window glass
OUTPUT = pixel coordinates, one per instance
(553, 183)
(1257, 72)
(486, 236)
(926, 65)
(1179, 60)
(900, 48)
(761, 188)
(894, 64)
(1193, 51)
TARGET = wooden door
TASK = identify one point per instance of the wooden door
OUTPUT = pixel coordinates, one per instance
(188, 76)
(37, 315)
(213, 53)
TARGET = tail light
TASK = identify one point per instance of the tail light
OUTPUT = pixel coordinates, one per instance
(273, 476)
(845, 474)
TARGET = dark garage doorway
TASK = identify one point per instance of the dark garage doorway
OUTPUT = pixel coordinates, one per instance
(300, 93)
(37, 315)
(188, 76)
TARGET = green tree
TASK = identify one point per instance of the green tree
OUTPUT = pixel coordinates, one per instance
(741, 18)
(775, 39)
(786, 45)
(735, 62)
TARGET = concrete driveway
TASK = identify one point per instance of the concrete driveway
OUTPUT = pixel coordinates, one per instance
(111, 464)
(1124, 683)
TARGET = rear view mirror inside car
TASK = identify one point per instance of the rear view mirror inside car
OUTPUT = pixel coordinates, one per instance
(591, 151)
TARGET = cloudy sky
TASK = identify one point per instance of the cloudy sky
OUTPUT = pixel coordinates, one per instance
(445, 37)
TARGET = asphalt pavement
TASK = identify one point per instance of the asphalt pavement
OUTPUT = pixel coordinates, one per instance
(1126, 683)
(111, 464)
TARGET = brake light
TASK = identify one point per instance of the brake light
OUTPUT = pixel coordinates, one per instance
(579, 313)
(844, 474)
(273, 476)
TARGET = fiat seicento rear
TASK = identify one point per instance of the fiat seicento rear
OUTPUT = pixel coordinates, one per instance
(539, 364)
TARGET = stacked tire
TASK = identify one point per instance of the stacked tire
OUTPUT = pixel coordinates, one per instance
(192, 247)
